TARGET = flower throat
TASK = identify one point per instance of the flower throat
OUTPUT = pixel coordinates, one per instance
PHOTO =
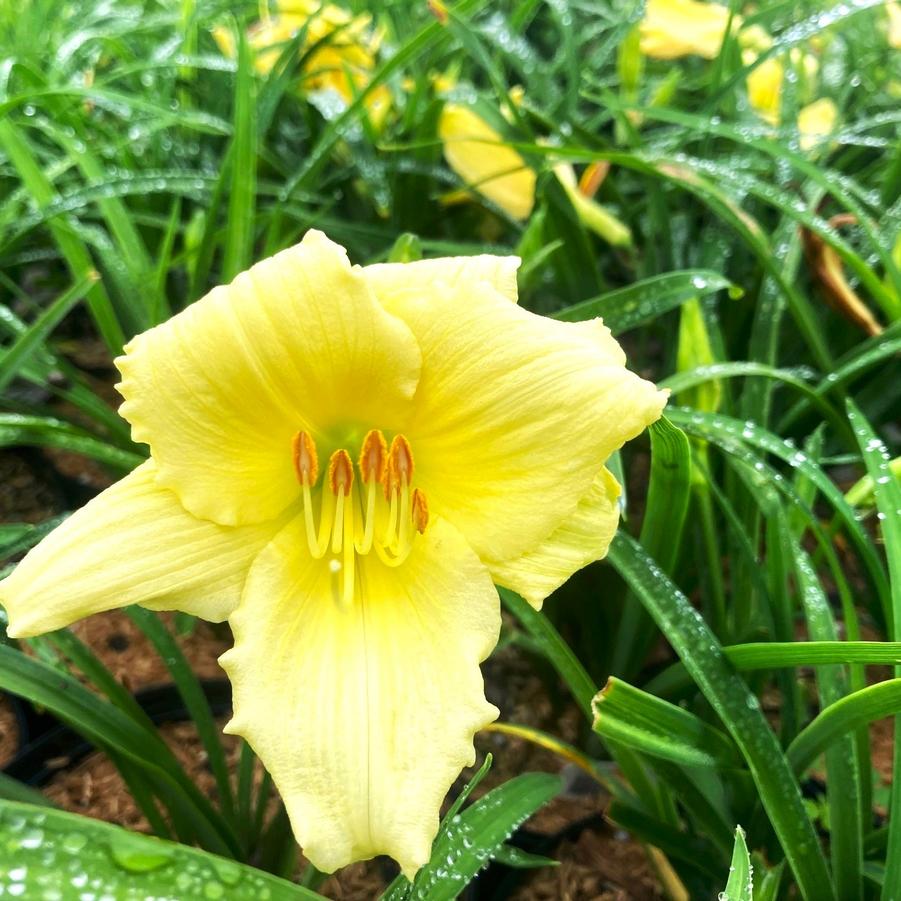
(384, 515)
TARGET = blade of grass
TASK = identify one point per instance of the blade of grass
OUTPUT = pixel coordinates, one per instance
(633, 717)
(661, 533)
(239, 229)
(887, 492)
(17, 354)
(71, 247)
(738, 709)
(857, 709)
(842, 770)
(641, 303)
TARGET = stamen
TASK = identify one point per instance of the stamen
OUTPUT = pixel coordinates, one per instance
(420, 511)
(373, 457)
(373, 465)
(348, 594)
(340, 479)
(400, 459)
(348, 525)
(306, 465)
(340, 472)
(306, 460)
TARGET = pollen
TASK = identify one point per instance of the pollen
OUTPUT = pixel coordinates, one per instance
(340, 472)
(373, 461)
(400, 465)
(306, 460)
(420, 511)
(401, 457)
(383, 512)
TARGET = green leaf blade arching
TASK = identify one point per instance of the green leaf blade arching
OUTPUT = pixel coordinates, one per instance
(738, 709)
(49, 853)
(475, 836)
(627, 308)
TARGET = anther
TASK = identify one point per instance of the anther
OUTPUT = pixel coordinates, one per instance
(420, 511)
(373, 457)
(400, 459)
(306, 460)
(340, 473)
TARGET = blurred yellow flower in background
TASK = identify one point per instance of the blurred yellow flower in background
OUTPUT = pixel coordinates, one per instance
(674, 28)
(893, 10)
(345, 51)
(766, 80)
(478, 154)
(816, 121)
(765, 86)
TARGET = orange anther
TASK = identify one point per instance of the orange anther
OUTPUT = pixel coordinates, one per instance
(340, 472)
(420, 511)
(400, 459)
(373, 456)
(306, 460)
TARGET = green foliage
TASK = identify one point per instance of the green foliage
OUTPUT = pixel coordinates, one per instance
(49, 853)
(740, 886)
(140, 166)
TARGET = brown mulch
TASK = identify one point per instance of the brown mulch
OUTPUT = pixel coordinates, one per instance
(9, 731)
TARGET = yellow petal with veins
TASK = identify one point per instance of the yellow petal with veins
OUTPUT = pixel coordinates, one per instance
(674, 28)
(478, 154)
(580, 539)
(220, 390)
(132, 544)
(364, 714)
(507, 441)
(456, 272)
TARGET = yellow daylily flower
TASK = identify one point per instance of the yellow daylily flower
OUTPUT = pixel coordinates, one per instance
(765, 86)
(766, 80)
(342, 63)
(478, 154)
(342, 462)
(674, 28)
(893, 9)
(816, 121)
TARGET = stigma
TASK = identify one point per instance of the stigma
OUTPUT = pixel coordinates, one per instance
(346, 516)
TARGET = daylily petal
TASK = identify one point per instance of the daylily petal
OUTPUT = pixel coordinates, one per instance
(816, 121)
(499, 272)
(477, 153)
(132, 544)
(296, 342)
(506, 441)
(408, 285)
(364, 714)
(674, 28)
(580, 539)
(893, 9)
(765, 86)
